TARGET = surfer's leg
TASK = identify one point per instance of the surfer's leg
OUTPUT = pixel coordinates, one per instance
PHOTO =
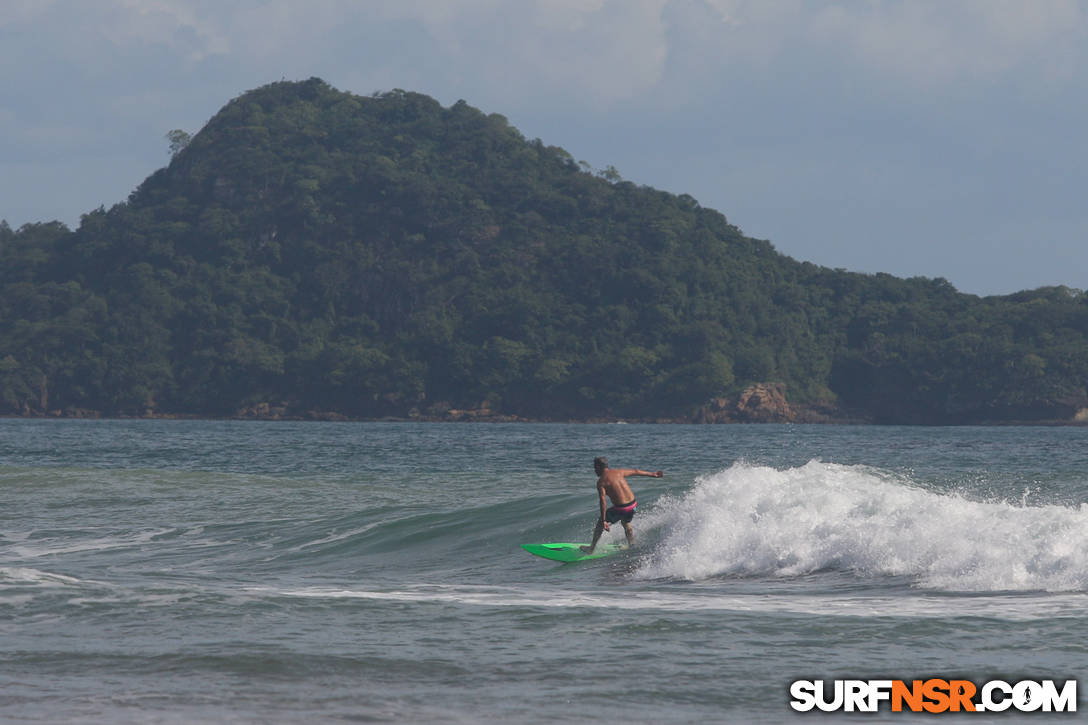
(596, 537)
(627, 529)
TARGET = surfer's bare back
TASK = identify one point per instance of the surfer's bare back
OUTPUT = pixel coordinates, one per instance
(612, 486)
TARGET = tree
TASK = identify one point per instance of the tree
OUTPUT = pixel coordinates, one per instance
(178, 141)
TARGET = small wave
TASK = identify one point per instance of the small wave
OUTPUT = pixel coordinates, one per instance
(427, 535)
(1006, 607)
(29, 592)
(68, 543)
(758, 521)
(25, 575)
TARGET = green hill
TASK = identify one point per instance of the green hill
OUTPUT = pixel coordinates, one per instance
(312, 252)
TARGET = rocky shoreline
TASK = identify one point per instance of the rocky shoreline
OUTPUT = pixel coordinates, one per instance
(759, 403)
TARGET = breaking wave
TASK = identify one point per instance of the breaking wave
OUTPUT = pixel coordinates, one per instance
(759, 521)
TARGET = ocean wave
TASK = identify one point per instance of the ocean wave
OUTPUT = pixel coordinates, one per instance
(759, 521)
(1012, 607)
(26, 575)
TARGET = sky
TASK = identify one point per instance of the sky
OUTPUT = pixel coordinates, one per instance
(935, 138)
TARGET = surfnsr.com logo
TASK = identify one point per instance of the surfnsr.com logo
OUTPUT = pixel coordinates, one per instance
(933, 695)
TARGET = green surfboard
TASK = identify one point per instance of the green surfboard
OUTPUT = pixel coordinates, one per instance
(568, 553)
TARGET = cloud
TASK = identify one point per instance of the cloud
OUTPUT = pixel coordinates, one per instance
(592, 53)
(599, 51)
(596, 51)
(175, 24)
(940, 42)
(21, 12)
(927, 43)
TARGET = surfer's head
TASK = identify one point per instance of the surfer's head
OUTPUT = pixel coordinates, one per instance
(599, 464)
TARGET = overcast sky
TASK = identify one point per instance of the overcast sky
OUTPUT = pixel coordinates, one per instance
(943, 139)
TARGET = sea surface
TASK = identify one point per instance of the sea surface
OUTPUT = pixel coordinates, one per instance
(159, 571)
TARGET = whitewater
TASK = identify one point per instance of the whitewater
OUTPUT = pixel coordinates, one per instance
(216, 571)
(758, 521)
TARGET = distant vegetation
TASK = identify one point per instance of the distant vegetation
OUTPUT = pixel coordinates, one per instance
(312, 250)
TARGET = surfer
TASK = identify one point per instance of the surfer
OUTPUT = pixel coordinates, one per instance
(612, 483)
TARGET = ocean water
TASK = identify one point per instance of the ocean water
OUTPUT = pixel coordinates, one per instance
(252, 572)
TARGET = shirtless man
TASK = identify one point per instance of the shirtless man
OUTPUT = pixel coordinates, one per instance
(612, 482)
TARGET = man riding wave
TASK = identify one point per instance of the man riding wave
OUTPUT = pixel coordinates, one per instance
(612, 486)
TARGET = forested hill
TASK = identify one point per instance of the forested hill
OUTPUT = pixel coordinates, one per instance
(310, 252)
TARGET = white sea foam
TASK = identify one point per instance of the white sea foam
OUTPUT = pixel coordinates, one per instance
(25, 575)
(36, 548)
(752, 520)
(333, 538)
(921, 605)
